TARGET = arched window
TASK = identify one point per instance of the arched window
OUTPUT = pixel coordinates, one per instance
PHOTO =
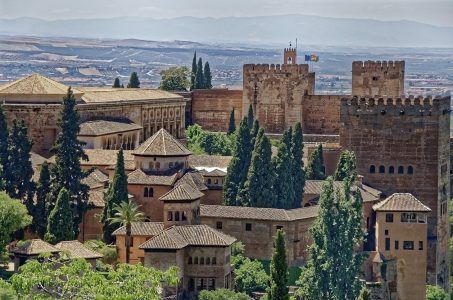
(183, 216)
(381, 169)
(216, 181)
(391, 169)
(170, 216)
(157, 165)
(190, 260)
(372, 169)
(145, 192)
(410, 170)
(195, 261)
(151, 165)
(209, 180)
(208, 260)
(400, 170)
(177, 216)
(201, 260)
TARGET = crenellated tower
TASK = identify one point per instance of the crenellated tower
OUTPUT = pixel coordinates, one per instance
(290, 56)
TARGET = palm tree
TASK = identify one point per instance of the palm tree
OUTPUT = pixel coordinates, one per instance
(126, 213)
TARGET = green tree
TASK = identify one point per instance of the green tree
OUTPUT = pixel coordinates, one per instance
(364, 294)
(67, 172)
(199, 78)
(297, 167)
(346, 166)
(134, 82)
(3, 147)
(258, 189)
(333, 268)
(13, 217)
(40, 211)
(59, 225)
(116, 83)
(222, 294)
(250, 277)
(434, 292)
(315, 168)
(174, 79)
(19, 171)
(250, 117)
(193, 74)
(126, 213)
(283, 185)
(207, 76)
(232, 123)
(116, 194)
(278, 289)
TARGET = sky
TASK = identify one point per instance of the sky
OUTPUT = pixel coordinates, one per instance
(435, 12)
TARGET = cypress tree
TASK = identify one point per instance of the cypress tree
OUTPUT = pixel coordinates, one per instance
(3, 147)
(250, 117)
(283, 185)
(193, 74)
(40, 211)
(133, 81)
(255, 130)
(66, 172)
(346, 166)
(59, 225)
(116, 194)
(207, 76)
(315, 168)
(258, 189)
(19, 170)
(232, 124)
(297, 168)
(238, 167)
(278, 289)
(199, 78)
(116, 83)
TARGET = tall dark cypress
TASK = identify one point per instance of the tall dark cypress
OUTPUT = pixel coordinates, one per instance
(59, 227)
(283, 185)
(134, 82)
(67, 172)
(3, 147)
(193, 74)
(40, 211)
(250, 117)
(207, 76)
(278, 289)
(116, 194)
(346, 166)
(116, 83)
(232, 123)
(315, 168)
(297, 167)
(199, 78)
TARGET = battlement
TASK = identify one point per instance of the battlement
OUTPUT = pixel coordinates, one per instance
(290, 49)
(275, 69)
(367, 66)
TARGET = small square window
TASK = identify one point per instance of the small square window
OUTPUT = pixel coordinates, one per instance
(214, 260)
(389, 218)
(397, 245)
(408, 245)
(387, 244)
(279, 227)
(386, 232)
(219, 225)
(420, 245)
(248, 226)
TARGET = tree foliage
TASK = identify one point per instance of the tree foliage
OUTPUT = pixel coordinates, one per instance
(207, 76)
(116, 83)
(278, 289)
(174, 79)
(315, 168)
(250, 276)
(40, 210)
(199, 77)
(364, 294)
(346, 166)
(193, 74)
(222, 294)
(200, 141)
(3, 147)
(59, 225)
(333, 266)
(250, 118)
(232, 123)
(283, 183)
(134, 82)
(434, 292)
(297, 166)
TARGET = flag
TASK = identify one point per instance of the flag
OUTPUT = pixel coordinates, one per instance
(314, 57)
(307, 58)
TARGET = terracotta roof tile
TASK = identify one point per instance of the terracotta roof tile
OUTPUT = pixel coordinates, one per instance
(182, 192)
(142, 228)
(35, 247)
(162, 143)
(36, 84)
(101, 157)
(209, 162)
(194, 179)
(368, 193)
(102, 95)
(401, 202)
(140, 177)
(168, 239)
(96, 179)
(96, 198)
(105, 127)
(77, 250)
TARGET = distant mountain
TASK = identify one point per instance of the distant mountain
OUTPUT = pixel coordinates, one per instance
(266, 30)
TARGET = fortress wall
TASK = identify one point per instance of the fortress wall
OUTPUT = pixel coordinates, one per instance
(321, 114)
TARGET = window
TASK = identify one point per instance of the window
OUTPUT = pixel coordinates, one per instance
(420, 245)
(408, 245)
(208, 260)
(279, 227)
(157, 165)
(389, 218)
(386, 232)
(372, 169)
(410, 170)
(400, 170)
(201, 260)
(200, 284)
(195, 261)
(216, 181)
(190, 260)
(219, 225)
(170, 164)
(211, 284)
(132, 242)
(397, 245)
(183, 216)
(248, 227)
(145, 192)
(191, 285)
(387, 244)
(391, 169)
(177, 216)
(408, 218)
(170, 216)
(209, 180)
(381, 169)
(150, 192)
(214, 260)
(151, 165)
(375, 78)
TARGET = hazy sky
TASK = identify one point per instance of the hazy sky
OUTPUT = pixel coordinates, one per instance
(437, 12)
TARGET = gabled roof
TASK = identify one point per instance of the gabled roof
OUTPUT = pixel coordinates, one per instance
(142, 228)
(106, 127)
(36, 84)
(178, 237)
(77, 250)
(140, 177)
(401, 202)
(106, 95)
(209, 162)
(182, 192)
(162, 143)
(35, 247)
(194, 179)
(96, 179)
(314, 187)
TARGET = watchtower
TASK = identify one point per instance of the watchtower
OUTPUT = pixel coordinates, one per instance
(290, 56)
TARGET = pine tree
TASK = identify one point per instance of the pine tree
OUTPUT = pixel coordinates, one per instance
(283, 185)
(238, 167)
(66, 172)
(315, 168)
(59, 225)
(116, 194)
(116, 83)
(19, 170)
(40, 211)
(199, 78)
(258, 189)
(346, 166)
(232, 124)
(207, 76)
(133, 81)
(297, 168)
(278, 289)
(250, 117)
(193, 74)
(333, 268)
(3, 147)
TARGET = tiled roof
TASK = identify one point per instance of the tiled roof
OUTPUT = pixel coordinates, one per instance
(102, 95)
(101, 157)
(96, 198)
(140, 177)
(368, 193)
(35, 247)
(258, 213)
(142, 228)
(77, 250)
(162, 143)
(36, 84)
(105, 127)
(401, 202)
(209, 162)
(178, 237)
(182, 192)
(129, 165)
(194, 179)
(96, 179)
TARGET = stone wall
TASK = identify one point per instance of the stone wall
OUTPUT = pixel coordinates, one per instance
(152, 207)
(321, 114)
